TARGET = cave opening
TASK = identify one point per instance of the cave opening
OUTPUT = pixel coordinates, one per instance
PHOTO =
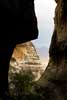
(35, 54)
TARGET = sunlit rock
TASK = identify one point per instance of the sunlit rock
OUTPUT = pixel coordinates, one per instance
(25, 57)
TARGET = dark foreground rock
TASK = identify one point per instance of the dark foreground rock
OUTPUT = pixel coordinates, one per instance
(53, 83)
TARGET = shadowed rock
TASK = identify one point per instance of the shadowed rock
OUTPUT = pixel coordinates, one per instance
(53, 83)
(18, 24)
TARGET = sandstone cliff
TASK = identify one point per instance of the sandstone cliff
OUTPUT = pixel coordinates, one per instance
(53, 83)
(25, 58)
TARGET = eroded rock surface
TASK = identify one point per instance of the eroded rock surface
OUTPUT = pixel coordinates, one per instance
(25, 58)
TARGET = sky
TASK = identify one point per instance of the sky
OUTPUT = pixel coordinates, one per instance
(45, 13)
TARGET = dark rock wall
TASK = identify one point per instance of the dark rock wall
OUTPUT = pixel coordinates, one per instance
(53, 83)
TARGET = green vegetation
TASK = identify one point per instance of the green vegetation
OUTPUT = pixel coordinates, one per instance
(21, 84)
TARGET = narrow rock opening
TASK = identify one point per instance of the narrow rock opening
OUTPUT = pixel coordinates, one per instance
(33, 56)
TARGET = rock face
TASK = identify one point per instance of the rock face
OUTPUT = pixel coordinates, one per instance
(25, 58)
(53, 83)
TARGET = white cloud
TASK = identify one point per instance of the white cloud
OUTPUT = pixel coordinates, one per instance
(44, 6)
(45, 13)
